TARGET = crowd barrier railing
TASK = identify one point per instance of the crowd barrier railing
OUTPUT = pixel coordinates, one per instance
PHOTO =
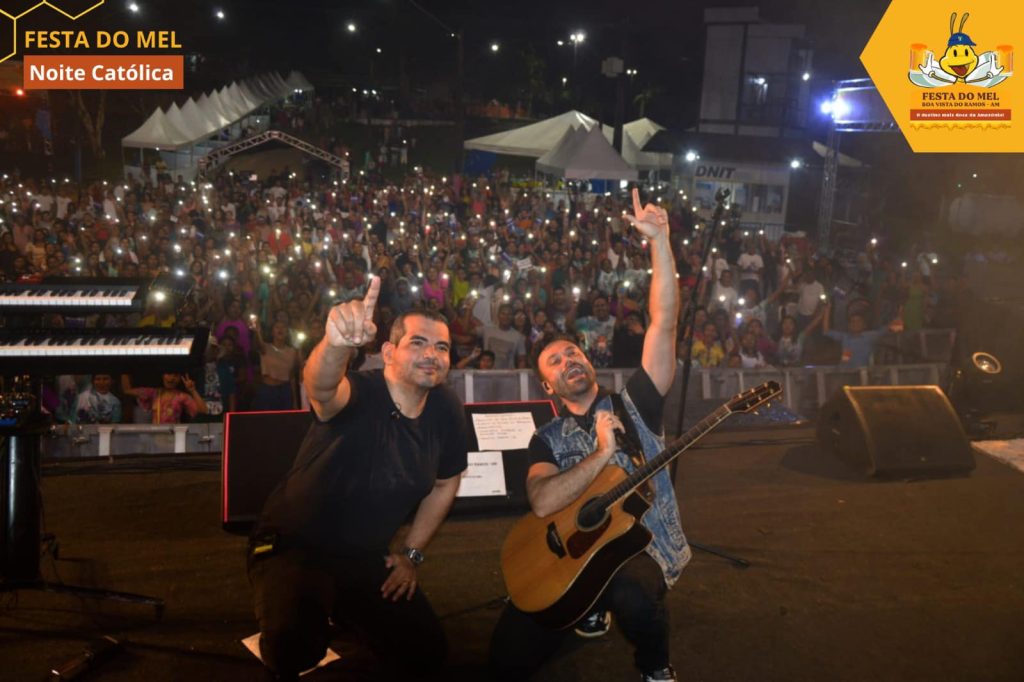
(805, 389)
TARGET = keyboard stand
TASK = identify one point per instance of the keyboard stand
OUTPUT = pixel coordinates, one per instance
(20, 541)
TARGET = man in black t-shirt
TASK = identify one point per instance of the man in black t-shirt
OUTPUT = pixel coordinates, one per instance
(383, 443)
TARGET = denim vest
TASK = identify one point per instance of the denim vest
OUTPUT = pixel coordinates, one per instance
(570, 444)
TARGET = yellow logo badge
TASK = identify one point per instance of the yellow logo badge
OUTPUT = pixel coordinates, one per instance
(957, 91)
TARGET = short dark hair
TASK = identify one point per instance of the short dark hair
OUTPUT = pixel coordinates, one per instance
(543, 342)
(398, 326)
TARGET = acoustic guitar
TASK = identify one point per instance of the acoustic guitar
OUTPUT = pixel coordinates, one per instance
(556, 567)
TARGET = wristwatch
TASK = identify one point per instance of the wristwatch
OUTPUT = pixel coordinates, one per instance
(415, 555)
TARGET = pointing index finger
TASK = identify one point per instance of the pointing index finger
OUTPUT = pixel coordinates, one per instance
(638, 209)
(370, 300)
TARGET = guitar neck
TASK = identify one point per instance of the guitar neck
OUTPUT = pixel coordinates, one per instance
(671, 451)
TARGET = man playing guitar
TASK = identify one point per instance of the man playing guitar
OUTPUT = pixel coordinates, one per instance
(568, 454)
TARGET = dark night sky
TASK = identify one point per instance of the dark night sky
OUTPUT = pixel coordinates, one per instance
(663, 39)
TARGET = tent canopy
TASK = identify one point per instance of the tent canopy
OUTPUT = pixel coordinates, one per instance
(537, 139)
(636, 134)
(156, 132)
(198, 119)
(585, 155)
(533, 140)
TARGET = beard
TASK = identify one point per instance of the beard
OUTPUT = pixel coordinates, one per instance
(425, 375)
(571, 384)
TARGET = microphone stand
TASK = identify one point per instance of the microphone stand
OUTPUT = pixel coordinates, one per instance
(711, 234)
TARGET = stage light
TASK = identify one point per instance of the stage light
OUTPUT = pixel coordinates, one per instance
(495, 47)
(807, 76)
(795, 164)
(133, 8)
(219, 14)
(351, 27)
(691, 156)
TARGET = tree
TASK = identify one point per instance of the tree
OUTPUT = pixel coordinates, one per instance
(645, 97)
(92, 123)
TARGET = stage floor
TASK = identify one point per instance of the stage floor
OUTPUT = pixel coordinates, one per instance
(849, 579)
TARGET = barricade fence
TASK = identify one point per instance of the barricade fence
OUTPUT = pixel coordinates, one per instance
(805, 389)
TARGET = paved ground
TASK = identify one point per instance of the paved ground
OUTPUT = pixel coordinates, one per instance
(850, 579)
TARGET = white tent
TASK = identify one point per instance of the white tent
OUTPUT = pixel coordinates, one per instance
(211, 119)
(262, 89)
(636, 134)
(560, 155)
(156, 132)
(241, 95)
(230, 107)
(586, 156)
(281, 86)
(199, 119)
(193, 128)
(533, 140)
(297, 81)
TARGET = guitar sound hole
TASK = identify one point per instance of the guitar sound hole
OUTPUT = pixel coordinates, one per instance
(591, 515)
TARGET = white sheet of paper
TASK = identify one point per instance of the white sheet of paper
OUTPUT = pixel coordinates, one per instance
(484, 477)
(252, 643)
(503, 430)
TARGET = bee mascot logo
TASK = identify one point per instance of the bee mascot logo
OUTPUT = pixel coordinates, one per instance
(960, 63)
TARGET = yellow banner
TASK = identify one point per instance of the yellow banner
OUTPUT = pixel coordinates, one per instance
(946, 72)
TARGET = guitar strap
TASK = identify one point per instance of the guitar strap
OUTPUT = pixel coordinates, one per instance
(630, 440)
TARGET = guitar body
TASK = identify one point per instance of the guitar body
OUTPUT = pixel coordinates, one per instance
(555, 570)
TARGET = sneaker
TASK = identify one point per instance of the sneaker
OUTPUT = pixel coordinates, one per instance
(663, 675)
(596, 624)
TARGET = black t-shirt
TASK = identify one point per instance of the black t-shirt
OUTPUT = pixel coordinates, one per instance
(642, 392)
(358, 475)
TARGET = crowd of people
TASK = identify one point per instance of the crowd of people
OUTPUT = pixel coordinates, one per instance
(264, 261)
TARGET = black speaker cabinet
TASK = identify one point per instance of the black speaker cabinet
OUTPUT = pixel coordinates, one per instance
(259, 448)
(892, 431)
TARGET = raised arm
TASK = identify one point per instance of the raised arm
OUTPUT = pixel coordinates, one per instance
(126, 386)
(257, 335)
(823, 314)
(349, 326)
(659, 356)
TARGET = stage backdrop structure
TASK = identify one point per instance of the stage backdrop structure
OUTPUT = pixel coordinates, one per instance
(184, 134)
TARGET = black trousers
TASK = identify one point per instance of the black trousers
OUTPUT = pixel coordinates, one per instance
(635, 596)
(297, 590)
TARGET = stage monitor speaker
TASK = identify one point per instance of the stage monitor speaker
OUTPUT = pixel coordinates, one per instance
(259, 448)
(893, 431)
